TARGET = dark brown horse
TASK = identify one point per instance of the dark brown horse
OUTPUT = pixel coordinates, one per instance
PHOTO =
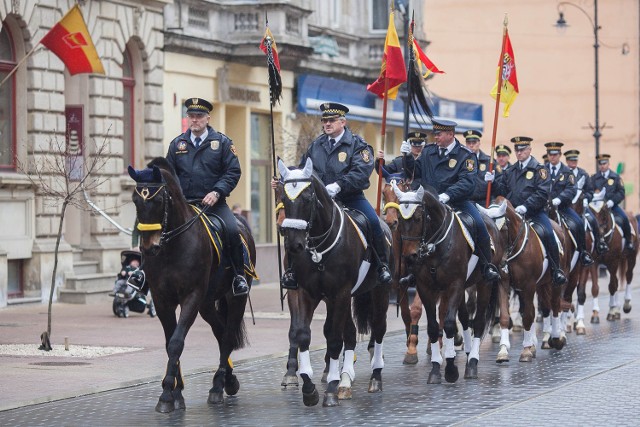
(183, 269)
(438, 251)
(329, 258)
(617, 260)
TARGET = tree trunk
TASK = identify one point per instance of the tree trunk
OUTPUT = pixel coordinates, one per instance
(55, 264)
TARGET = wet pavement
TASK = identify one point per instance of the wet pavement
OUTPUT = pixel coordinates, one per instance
(594, 380)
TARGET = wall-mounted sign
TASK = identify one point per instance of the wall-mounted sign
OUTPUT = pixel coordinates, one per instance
(74, 141)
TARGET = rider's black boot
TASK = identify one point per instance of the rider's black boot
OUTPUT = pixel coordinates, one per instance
(384, 275)
(239, 286)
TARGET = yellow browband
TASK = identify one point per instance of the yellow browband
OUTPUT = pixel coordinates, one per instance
(391, 205)
(149, 227)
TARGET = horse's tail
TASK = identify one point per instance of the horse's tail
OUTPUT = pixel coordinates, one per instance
(236, 332)
(362, 312)
(491, 307)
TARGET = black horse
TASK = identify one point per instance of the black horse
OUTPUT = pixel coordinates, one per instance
(329, 258)
(183, 267)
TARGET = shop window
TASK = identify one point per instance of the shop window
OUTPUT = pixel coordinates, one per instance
(128, 119)
(261, 218)
(7, 100)
(15, 288)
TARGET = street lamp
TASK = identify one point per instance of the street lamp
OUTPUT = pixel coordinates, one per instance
(561, 23)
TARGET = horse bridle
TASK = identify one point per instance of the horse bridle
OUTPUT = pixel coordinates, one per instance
(142, 189)
(428, 246)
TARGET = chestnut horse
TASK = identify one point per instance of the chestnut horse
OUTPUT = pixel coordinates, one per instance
(436, 247)
(329, 259)
(183, 268)
(617, 260)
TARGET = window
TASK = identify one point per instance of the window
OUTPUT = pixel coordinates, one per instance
(261, 219)
(128, 118)
(15, 288)
(379, 15)
(7, 100)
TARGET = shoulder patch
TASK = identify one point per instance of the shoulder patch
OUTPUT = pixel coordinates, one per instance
(470, 165)
(233, 150)
(365, 156)
(543, 173)
(572, 179)
(621, 183)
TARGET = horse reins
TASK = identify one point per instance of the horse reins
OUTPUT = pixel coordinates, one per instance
(427, 247)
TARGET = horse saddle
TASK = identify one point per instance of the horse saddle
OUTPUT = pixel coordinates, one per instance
(362, 225)
(468, 228)
(542, 234)
(215, 229)
(572, 228)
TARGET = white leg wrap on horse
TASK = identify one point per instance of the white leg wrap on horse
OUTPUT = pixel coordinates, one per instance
(612, 300)
(305, 364)
(555, 327)
(596, 305)
(580, 312)
(534, 335)
(504, 338)
(377, 362)
(528, 338)
(347, 364)
(466, 339)
(546, 324)
(449, 347)
(435, 353)
(334, 370)
(627, 292)
(475, 349)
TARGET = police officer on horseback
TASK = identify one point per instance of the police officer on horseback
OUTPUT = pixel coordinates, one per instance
(587, 192)
(208, 168)
(612, 182)
(451, 169)
(417, 141)
(344, 161)
(563, 190)
(527, 185)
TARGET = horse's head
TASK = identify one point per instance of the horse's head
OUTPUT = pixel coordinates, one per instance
(497, 211)
(153, 201)
(412, 221)
(303, 198)
(391, 207)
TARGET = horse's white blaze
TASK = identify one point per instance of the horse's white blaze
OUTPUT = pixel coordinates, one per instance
(448, 347)
(466, 340)
(475, 349)
(436, 357)
(528, 337)
(377, 362)
(334, 370)
(347, 366)
(305, 364)
(504, 338)
(298, 224)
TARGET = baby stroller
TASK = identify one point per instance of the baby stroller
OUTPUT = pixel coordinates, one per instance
(125, 298)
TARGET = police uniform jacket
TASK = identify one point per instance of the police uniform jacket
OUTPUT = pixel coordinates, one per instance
(563, 185)
(349, 164)
(454, 174)
(213, 166)
(480, 191)
(396, 166)
(613, 184)
(587, 188)
(528, 187)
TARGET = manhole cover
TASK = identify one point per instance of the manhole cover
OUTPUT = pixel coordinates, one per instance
(59, 363)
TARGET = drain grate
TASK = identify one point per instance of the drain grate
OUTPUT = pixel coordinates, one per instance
(60, 363)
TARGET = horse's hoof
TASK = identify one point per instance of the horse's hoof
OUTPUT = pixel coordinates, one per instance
(616, 315)
(457, 340)
(215, 397)
(503, 354)
(289, 380)
(375, 385)
(581, 330)
(516, 328)
(410, 359)
(533, 351)
(179, 400)
(165, 407)
(312, 398)
(232, 385)
(546, 345)
(569, 328)
(324, 377)
(595, 319)
(451, 373)
(434, 376)
(627, 306)
(526, 355)
(344, 393)
(561, 342)
(471, 370)
(330, 400)
(610, 317)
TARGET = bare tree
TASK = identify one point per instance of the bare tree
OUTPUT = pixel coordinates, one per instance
(60, 176)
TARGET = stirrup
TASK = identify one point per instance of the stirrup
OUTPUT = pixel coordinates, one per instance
(240, 286)
(137, 281)
(490, 272)
(586, 259)
(558, 277)
(629, 246)
(384, 276)
(288, 280)
(602, 247)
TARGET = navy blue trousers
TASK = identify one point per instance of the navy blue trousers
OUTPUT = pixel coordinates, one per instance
(626, 227)
(580, 231)
(549, 241)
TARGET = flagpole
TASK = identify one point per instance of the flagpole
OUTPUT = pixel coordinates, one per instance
(497, 110)
(19, 64)
(383, 132)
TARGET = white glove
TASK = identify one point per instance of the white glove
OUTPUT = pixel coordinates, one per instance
(609, 204)
(556, 202)
(444, 197)
(333, 189)
(585, 203)
(580, 183)
(405, 147)
(489, 176)
(521, 209)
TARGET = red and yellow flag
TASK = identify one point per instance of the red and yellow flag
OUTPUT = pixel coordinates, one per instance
(393, 67)
(509, 89)
(69, 39)
(423, 60)
(274, 48)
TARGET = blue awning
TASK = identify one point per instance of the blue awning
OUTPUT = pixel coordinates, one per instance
(364, 106)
